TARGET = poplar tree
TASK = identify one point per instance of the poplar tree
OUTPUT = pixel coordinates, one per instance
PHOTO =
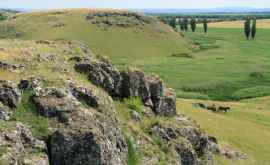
(247, 28)
(253, 28)
(182, 24)
(193, 24)
(205, 26)
(185, 24)
(172, 22)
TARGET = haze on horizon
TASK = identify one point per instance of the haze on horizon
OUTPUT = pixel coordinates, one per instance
(131, 4)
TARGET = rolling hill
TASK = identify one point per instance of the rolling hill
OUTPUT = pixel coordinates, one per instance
(115, 33)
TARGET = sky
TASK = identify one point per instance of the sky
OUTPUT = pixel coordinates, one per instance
(131, 4)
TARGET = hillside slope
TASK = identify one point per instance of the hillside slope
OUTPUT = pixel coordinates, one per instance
(114, 33)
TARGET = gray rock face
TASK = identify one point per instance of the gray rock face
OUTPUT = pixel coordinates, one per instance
(134, 85)
(102, 74)
(9, 94)
(129, 83)
(5, 112)
(55, 103)
(90, 139)
(186, 137)
(19, 145)
(83, 136)
(92, 97)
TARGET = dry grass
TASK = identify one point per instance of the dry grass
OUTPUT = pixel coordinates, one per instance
(261, 24)
(245, 128)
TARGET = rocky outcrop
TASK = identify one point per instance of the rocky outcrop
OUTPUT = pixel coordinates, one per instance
(54, 102)
(21, 147)
(129, 83)
(11, 67)
(87, 135)
(134, 84)
(186, 137)
(90, 139)
(102, 74)
(93, 97)
(9, 94)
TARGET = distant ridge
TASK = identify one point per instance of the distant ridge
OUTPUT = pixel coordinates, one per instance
(208, 10)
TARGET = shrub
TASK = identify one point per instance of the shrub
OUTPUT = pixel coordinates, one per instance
(134, 103)
(258, 91)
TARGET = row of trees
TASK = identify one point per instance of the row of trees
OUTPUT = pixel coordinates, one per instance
(185, 22)
(250, 28)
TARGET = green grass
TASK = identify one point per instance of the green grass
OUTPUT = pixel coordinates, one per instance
(27, 113)
(132, 154)
(257, 91)
(246, 128)
(135, 104)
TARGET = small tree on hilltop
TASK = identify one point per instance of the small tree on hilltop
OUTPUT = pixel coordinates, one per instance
(205, 26)
(193, 24)
(247, 28)
(253, 28)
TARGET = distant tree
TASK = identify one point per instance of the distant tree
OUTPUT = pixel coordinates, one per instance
(247, 28)
(182, 24)
(193, 24)
(253, 28)
(172, 23)
(205, 26)
(185, 24)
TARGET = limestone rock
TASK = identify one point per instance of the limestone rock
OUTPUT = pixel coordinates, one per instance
(102, 74)
(5, 112)
(186, 137)
(134, 85)
(56, 103)
(9, 94)
(90, 139)
(19, 144)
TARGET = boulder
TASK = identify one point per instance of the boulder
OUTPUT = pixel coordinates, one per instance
(186, 138)
(102, 74)
(134, 85)
(56, 103)
(5, 112)
(9, 94)
(92, 97)
(31, 83)
(19, 144)
(166, 106)
(90, 139)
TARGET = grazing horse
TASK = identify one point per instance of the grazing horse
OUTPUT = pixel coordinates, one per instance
(224, 109)
(212, 108)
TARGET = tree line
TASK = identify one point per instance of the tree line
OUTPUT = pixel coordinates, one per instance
(185, 23)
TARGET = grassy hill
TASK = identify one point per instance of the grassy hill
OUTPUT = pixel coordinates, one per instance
(112, 33)
(221, 65)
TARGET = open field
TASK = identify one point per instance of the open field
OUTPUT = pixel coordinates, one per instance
(245, 128)
(221, 65)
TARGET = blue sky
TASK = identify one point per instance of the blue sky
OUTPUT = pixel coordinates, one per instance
(175, 4)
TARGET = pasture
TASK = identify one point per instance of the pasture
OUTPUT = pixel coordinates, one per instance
(245, 128)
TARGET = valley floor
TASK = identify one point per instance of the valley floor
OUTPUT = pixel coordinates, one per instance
(246, 127)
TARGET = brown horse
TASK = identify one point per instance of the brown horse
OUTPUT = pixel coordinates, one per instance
(212, 108)
(224, 109)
